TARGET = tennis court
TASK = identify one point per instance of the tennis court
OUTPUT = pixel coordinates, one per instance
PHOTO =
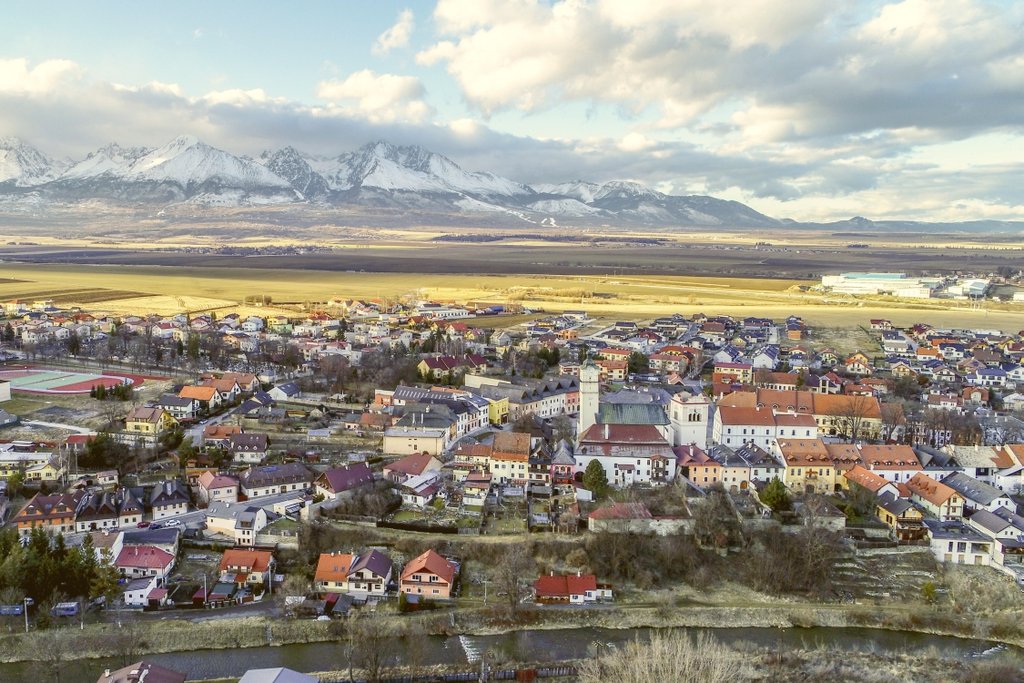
(47, 381)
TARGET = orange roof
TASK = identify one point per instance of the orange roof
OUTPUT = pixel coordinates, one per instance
(333, 567)
(890, 457)
(804, 402)
(220, 431)
(511, 446)
(866, 478)
(935, 492)
(247, 559)
(430, 563)
(1010, 455)
(804, 452)
(221, 385)
(198, 393)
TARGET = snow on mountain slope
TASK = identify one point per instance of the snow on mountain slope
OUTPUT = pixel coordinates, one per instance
(577, 189)
(288, 163)
(112, 160)
(187, 161)
(390, 167)
(566, 207)
(24, 165)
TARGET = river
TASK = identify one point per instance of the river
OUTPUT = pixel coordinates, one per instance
(549, 645)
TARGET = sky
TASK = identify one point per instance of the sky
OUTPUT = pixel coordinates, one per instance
(807, 109)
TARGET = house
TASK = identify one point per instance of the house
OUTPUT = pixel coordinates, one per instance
(421, 489)
(904, 518)
(509, 459)
(214, 487)
(410, 466)
(207, 397)
(270, 479)
(168, 499)
(181, 409)
(249, 448)
(219, 435)
(334, 483)
(760, 426)
(977, 495)
(369, 575)
(861, 476)
(430, 576)
(698, 466)
(247, 566)
(808, 466)
(277, 675)
(239, 521)
(285, 392)
(954, 542)
(935, 497)
(409, 439)
(149, 421)
(54, 513)
(144, 561)
(835, 414)
(332, 572)
(142, 672)
(1006, 529)
(578, 589)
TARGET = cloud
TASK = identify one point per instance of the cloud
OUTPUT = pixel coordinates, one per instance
(764, 151)
(379, 97)
(397, 36)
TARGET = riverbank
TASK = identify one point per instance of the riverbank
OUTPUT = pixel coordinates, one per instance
(137, 638)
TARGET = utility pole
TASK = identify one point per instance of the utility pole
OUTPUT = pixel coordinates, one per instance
(24, 606)
(486, 581)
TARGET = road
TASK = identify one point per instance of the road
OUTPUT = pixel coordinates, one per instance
(58, 425)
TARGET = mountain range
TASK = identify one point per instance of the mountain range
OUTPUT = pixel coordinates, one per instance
(408, 179)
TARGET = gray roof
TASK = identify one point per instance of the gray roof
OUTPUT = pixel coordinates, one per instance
(268, 475)
(631, 414)
(896, 506)
(989, 521)
(277, 675)
(644, 395)
(376, 561)
(971, 489)
(161, 536)
(953, 530)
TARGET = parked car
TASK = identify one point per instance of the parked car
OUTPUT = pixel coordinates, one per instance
(143, 525)
(172, 522)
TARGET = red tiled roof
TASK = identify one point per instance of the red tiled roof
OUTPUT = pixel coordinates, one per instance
(430, 562)
(564, 586)
(144, 557)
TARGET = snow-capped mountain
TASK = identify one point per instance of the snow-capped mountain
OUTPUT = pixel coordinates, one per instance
(409, 180)
(111, 160)
(383, 166)
(289, 164)
(22, 165)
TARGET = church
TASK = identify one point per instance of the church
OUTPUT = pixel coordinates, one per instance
(632, 432)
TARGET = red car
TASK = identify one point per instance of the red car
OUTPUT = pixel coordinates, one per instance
(142, 525)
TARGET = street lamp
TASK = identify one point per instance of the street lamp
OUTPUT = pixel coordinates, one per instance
(25, 603)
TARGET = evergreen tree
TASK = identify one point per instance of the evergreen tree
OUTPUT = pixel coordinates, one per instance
(595, 479)
(775, 495)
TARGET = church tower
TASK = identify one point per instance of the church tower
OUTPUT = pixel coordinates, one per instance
(590, 395)
(690, 417)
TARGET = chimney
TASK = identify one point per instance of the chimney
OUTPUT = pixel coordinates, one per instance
(607, 433)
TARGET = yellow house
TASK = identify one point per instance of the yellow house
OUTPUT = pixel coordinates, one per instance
(149, 421)
(808, 466)
(497, 410)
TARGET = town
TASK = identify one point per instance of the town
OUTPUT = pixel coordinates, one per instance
(344, 461)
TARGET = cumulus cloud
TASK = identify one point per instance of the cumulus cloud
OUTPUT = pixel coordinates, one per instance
(379, 97)
(397, 36)
(786, 70)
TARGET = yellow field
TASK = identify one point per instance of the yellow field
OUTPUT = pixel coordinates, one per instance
(168, 290)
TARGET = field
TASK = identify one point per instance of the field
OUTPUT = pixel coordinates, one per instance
(171, 290)
(40, 381)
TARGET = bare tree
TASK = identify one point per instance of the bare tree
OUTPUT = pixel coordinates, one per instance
(666, 657)
(508, 573)
(893, 419)
(367, 638)
(850, 417)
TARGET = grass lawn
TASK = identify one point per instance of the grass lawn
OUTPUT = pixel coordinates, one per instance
(408, 516)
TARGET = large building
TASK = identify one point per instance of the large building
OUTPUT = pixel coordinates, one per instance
(895, 284)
